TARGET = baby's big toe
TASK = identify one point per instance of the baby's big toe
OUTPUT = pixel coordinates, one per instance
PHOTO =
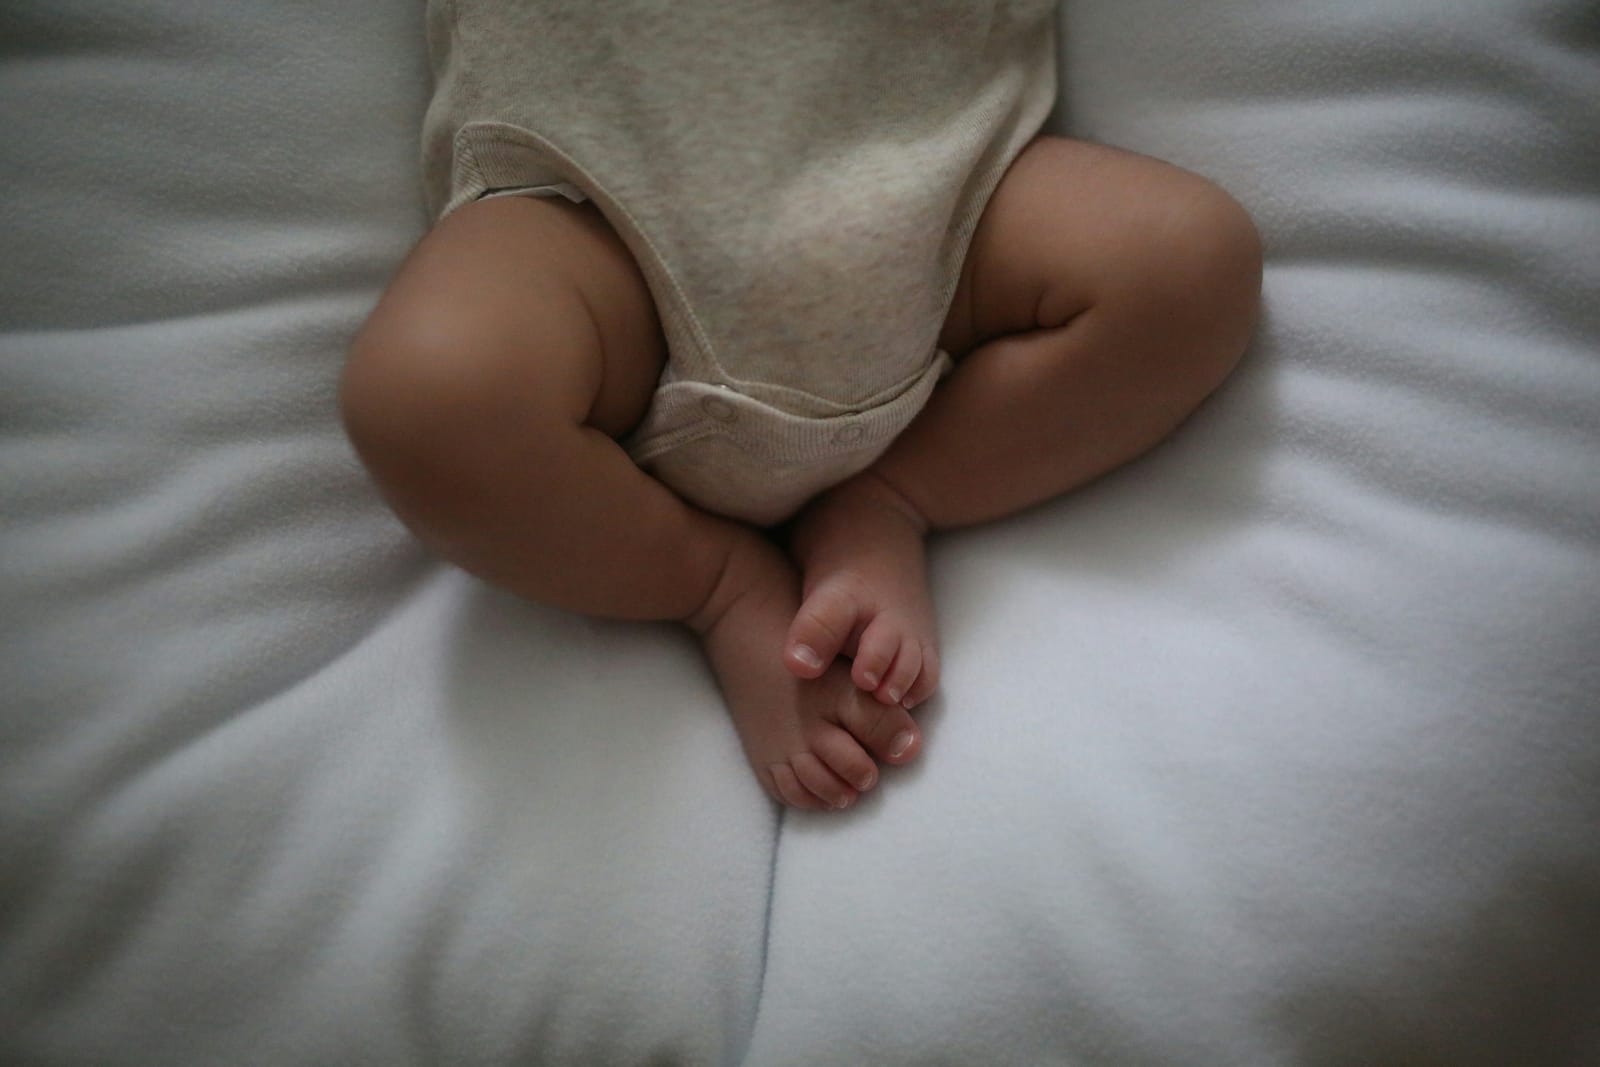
(821, 629)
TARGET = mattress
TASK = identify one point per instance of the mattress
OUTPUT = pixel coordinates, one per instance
(1280, 746)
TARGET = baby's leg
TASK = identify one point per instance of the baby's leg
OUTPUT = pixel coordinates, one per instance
(485, 394)
(1104, 295)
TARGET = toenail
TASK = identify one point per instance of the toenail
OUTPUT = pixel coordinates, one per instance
(894, 696)
(808, 655)
(867, 781)
(870, 679)
(846, 802)
(901, 743)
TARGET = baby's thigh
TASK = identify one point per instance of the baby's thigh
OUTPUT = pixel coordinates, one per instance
(1074, 225)
(530, 306)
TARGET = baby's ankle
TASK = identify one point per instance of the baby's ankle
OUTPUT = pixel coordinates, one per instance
(871, 489)
(754, 567)
(841, 516)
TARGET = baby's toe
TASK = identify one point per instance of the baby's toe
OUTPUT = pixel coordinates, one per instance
(826, 786)
(821, 628)
(884, 730)
(786, 784)
(875, 653)
(902, 674)
(927, 680)
(846, 758)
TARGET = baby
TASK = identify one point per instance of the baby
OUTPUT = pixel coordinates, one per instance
(730, 303)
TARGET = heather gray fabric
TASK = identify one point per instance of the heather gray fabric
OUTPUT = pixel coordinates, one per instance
(799, 183)
(1278, 748)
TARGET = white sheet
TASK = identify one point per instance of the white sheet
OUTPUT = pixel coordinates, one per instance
(1279, 747)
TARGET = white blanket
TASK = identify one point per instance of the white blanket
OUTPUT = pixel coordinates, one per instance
(1281, 746)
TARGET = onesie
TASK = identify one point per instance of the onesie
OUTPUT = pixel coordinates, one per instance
(798, 180)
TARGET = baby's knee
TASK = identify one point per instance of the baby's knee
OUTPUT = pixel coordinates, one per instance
(1182, 286)
(423, 399)
(1208, 271)
(398, 388)
(1231, 245)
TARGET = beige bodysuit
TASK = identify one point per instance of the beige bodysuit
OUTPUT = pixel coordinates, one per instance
(798, 179)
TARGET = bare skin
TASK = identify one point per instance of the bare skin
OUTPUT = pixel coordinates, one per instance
(1103, 297)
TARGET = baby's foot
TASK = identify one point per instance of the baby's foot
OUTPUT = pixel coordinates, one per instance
(813, 743)
(860, 547)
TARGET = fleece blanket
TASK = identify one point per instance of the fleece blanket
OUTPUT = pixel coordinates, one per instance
(1278, 747)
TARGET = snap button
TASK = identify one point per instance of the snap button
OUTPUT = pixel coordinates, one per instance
(718, 409)
(849, 435)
